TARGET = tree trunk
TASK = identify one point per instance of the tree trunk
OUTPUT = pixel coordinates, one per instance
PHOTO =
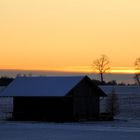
(137, 78)
(102, 80)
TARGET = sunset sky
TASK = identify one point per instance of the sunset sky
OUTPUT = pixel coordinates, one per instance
(67, 35)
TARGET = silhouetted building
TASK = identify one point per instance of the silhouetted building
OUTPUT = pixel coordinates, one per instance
(54, 98)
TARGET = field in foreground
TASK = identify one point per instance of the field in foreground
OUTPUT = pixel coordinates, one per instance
(116, 130)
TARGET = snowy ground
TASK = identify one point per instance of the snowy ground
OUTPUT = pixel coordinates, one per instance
(116, 130)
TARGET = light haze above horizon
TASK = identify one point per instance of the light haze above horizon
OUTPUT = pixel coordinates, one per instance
(68, 35)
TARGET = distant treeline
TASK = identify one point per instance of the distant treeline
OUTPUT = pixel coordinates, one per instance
(5, 81)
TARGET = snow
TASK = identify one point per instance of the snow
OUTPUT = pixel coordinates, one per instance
(115, 130)
(129, 100)
(41, 86)
(6, 107)
(121, 89)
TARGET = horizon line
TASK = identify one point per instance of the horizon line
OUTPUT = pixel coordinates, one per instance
(76, 69)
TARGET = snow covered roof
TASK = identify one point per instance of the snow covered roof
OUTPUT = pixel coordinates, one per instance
(41, 86)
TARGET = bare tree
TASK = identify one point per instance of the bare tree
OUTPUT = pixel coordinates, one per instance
(137, 67)
(112, 106)
(102, 66)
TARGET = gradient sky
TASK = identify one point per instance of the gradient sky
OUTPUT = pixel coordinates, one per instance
(68, 35)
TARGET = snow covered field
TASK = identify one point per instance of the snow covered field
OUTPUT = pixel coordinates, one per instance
(116, 130)
(129, 100)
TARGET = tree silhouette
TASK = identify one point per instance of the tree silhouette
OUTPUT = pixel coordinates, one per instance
(137, 67)
(113, 104)
(102, 66)
(5, 81)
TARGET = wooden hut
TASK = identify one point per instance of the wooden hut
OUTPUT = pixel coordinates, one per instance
(54, 98)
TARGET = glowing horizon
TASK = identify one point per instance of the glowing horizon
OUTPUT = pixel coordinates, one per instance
(81, 69)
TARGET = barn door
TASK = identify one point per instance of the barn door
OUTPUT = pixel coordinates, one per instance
(86, 108)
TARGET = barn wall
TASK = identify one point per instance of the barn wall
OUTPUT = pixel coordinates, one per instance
(86, 101)
(43, 108)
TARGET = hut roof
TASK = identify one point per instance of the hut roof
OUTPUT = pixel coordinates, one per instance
(41, 86)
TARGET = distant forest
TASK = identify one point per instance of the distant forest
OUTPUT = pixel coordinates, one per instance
(5, 81)
(112, 82)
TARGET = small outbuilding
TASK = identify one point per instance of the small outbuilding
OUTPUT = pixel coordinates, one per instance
(54, 98)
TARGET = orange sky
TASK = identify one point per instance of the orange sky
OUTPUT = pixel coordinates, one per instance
(69, 35)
